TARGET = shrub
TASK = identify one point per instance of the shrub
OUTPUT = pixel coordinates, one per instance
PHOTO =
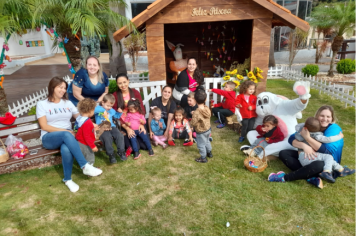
(112, 86)
(32, 111)
(346, 66)
(310, 69)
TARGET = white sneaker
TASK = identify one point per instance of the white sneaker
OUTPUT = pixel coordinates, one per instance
(91, 170)
(73, 187)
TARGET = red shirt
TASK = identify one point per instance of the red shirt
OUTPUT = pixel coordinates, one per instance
(229, 99)
(85, 134)
(245, 112)
(276, 137)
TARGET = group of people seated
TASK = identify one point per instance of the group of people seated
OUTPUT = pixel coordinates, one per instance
(180, 113)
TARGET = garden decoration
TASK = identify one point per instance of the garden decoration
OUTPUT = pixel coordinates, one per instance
(66, 40)
(286, 111)
(2, 78)
(20, 42)
(179, 64)
(51, 30)
(217, 72)
(69, 65)
(233, 77)
(38, 28)
(63, 53)
(76, 48)
(47, 31)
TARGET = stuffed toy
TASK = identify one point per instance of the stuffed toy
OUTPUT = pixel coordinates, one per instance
(9, 119)
(286, 111)
(179, 64)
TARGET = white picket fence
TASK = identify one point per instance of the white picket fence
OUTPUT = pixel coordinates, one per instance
(135, 78)
(340, 92)
(275, 72)
(21, 107)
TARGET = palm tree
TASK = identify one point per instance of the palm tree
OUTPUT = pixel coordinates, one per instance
(72, 18)
(341, 16)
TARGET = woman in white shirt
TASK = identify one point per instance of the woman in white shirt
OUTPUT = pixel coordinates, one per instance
(54, 114)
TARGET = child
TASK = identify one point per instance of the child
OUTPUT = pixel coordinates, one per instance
(180, 129)
(246, 101)
(192, 106)
(201, 124)
(106, 113)
(227, 106)
(158, 127)
(134, 119)
(86, 129)
(269, 133)
(313, 126)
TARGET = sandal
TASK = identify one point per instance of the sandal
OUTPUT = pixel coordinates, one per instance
(345, 172)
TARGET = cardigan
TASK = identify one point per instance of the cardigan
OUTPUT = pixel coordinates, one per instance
(271, 137)
(245, 112)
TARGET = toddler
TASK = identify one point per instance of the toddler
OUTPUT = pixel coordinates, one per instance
(105, 112)
(180, 129)
(269, 133)
(246, 102)
(134, 119)
(192, 106)
(158, 127)
(86, 129)
(201, 124)
(227, 106)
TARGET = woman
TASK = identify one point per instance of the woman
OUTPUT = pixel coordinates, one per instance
(91, 82)
(122, 96)
(188, 81)
(326, 116)
(167, 106)
(54, 116)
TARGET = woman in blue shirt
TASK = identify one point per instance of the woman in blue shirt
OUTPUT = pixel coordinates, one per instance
(91, 82)
(326, 117)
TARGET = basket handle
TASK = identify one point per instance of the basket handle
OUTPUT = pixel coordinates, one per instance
(3, 144)
(264, 159)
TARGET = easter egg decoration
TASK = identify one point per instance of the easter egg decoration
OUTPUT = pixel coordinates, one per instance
(76, 48)
(51, 30)
(7, 57)
(38, 28)
(63, 53)
(25, 31)
(59, 39)
(66, 40)
(10, 60)
(69, 65)
(72, 70)
(20, 42)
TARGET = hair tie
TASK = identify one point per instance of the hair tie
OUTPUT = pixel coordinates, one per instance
(153, 107)
(133, 99)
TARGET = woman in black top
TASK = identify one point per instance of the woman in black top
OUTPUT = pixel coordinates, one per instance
(167, 106)
(188, 81)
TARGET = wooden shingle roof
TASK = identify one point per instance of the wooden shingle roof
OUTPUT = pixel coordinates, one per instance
(281, 16)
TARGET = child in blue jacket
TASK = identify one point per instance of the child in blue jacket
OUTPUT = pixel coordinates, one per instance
(158, 127)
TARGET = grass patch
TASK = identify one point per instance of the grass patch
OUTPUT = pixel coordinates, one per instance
(170, 194)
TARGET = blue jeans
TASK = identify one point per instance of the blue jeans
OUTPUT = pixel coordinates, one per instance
(144, 139)
(69, 147)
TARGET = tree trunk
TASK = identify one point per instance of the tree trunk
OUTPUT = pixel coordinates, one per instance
(271, 62)
(117, 60)
(331, 71)
(3, 102)
(335, 46)
(317, 52)
(71, 46)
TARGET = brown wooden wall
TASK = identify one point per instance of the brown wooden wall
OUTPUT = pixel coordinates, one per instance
(180, 12)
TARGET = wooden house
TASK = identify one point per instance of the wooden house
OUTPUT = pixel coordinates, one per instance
(216, 32)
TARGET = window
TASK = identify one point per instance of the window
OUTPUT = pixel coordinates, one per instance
(292, 6)
(310, 4)
(280, 3)
(302, 9)
(137, 8)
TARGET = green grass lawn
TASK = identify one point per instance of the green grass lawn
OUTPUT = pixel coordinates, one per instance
(171, 194)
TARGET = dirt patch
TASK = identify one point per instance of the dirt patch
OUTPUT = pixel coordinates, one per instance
(29, 203)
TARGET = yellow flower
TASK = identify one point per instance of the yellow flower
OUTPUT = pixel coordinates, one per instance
(258, 70)
(259, 75)
(224, 84)
(228, 72)
(250, 75)
(237, 83)
(254, 80)
(226, 77)
(234, 72)
(240, 77)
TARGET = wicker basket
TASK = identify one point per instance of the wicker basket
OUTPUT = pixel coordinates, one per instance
(4, 157)
(261, 164)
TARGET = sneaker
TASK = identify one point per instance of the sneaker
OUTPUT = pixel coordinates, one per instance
(128, 151)
(345, 172)
(164, 146)
(137, 155)
(209, 154)
(73, 187)
(220, 126)
(91, 170)
(151, 153)
(187, 143)
(122, 155)
(245, 147)
(171, 142)
(279, 177)
(112, 158)
(210, 139)
(316, 181)
(201, 160)
(241, 139)
(327, 176)
(217, 121)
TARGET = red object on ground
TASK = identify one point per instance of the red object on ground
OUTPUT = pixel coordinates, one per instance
(188, 144)
(8, 119)
(171, 143)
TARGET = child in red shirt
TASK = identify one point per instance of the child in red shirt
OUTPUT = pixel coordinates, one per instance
(86, 129)
(269, 133)
(227, 106)
(246, 101)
